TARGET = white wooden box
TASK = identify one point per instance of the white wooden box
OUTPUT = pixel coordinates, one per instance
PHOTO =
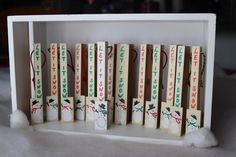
(166, 29)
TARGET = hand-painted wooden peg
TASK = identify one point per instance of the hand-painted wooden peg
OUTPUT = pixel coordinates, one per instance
(101, 105)
(52, 101)
(181, 82)
(79, 99)
(122, 83)
(194, 116)
(110, 80)
(67, 103)
(165, 108)
(36, 104)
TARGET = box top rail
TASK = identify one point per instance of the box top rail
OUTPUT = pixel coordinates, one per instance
(112, 17)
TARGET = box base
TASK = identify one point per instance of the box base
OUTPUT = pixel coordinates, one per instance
(129, 132)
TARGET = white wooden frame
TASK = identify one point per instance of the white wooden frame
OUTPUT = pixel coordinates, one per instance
(187, 29)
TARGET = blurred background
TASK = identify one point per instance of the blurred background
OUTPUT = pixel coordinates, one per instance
(224, 9)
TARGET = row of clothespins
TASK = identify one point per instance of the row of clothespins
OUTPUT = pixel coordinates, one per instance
(107, 96)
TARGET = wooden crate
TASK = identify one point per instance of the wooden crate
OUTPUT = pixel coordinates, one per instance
(166, 29)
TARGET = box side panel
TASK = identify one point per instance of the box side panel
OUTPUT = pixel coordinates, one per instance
(210, 56)
(22, 66)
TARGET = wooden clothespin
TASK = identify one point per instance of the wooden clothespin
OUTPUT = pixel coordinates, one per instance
(36, 104)
(91, 98)
(194, 116)
(67, 103)
(111, 80)
(52, 101)
(181, 83)
(165, 106)
(138, 103)
(79, 99)
(123, 78)
(152, 107)
(101, 105)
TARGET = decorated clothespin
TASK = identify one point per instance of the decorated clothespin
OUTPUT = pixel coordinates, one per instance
(138, 103)
(91, 98)
(165, 106)
(137, 111)
(67, 103)
(181, 82)
(79, 99)
(122, 83)
(36, 110)
(152, 107)
(101, 105)
(110, 80)
(52, 101)
(165, 116)
(36, 104)
(151, 114)
(194, 116)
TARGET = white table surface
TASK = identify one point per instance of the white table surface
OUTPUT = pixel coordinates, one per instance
(27, 143)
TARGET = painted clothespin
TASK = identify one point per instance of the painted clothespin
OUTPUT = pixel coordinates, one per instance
(138, 108)
(91, 98)
(101, 105)
(79, 99)
(194, 116)
(152, 107)
(67, 103)
(52, 101)
(165, 106)
(110, 80)
(36, 103)
(181, 83)
(122, 83)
